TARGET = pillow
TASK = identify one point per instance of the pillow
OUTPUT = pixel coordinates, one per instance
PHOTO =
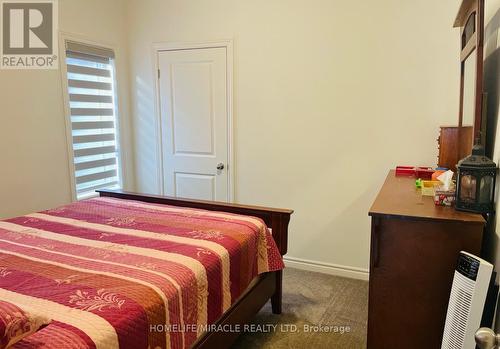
(17, 323)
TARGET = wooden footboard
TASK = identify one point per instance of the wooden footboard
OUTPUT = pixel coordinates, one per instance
(269, 285)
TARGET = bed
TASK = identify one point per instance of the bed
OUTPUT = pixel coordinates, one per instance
(126, 270)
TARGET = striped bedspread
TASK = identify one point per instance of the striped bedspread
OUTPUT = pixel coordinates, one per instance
(114, 273)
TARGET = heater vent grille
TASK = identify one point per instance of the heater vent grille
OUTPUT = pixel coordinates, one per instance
(458, 312)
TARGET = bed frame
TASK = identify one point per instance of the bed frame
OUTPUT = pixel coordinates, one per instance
(268, 285)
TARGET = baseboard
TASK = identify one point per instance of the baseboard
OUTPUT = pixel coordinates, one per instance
(327, 268)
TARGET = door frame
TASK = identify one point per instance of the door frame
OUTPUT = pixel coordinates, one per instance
(176, 46)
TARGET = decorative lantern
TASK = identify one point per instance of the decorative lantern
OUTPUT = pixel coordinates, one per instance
(476, 182)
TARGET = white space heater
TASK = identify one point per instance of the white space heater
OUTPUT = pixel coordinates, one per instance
(467, 300)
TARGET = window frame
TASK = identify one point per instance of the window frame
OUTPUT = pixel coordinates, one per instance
(63, 38)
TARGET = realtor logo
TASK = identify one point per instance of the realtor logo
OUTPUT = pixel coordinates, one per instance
(29, 39)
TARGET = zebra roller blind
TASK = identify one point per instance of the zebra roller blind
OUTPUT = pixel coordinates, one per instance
(94, 128)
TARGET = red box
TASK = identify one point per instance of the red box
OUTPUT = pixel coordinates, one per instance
(408, 171)
(424, 172)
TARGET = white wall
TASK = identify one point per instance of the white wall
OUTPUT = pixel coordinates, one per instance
(34, 173)
(329, 95)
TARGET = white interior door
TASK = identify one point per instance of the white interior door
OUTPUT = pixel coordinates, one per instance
(194, 119)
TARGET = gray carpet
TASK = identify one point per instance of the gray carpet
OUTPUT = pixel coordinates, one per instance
(312, 299)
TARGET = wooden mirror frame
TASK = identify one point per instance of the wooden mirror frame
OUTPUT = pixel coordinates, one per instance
(470, 19)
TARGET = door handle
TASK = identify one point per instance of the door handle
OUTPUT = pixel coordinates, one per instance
(486, 338)
(220, 166)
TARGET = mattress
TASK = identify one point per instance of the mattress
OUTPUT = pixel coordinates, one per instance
(114, 273)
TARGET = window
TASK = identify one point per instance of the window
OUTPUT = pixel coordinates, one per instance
(93, 118)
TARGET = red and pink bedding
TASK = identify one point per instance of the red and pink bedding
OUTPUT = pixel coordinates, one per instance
(114, 273)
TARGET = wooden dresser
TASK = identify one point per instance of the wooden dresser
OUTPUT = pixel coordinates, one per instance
(414, 250)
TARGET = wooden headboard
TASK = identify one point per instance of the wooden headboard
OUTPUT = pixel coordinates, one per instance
(275, 218)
